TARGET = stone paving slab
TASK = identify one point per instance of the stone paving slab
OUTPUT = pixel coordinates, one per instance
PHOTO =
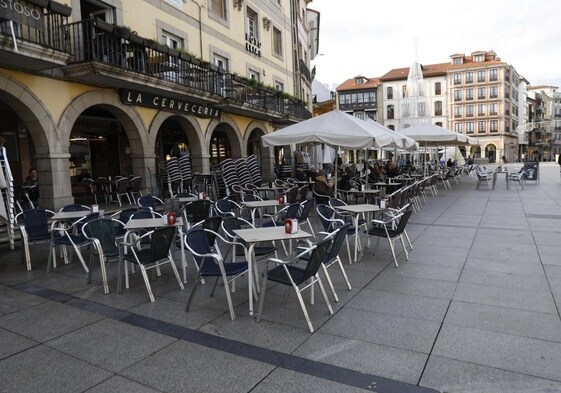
(529, 356)
(460, 377)
(12, 343)
(533, 283)
(121, 385)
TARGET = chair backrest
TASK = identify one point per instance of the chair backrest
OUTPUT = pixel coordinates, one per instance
(74, 208)
(36, 222)
(305, 209)
(212, 223)
(149, 201)
(198, 210)
(135, 183)
(292, 195)
(403, 220)
(325, 214)
(229, 225)
(303, 193)
(334, 202)
(223, 207)
(197, 242)
(291, 211)
(141, 214)
(337, 242)
(103, 229)
(161, 242)
(316, 259)
(121, 185)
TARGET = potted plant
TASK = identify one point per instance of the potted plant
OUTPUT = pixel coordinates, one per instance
(122, 31)
(150, 43)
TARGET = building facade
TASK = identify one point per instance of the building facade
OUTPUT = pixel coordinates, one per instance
(92, 88)
(359, 97)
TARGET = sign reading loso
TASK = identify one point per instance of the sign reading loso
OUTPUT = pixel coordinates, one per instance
(21, 12)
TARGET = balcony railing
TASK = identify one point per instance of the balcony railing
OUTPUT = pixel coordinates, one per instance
(94, 40)
(305, 71)
(45, 31)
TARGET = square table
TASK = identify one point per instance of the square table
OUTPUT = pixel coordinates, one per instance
(252, 236)
(149, 223)
(356, 211)
(254, 205)
(368, 192)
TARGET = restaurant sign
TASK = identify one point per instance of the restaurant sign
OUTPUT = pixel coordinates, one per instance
(22, 12)
(155, 101)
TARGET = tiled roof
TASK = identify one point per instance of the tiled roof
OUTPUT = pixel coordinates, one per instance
(476, 64)
(350, 84)
(428, 70)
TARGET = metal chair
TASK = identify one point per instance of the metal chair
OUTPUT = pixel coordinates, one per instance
(121, 189)
(393, 229)
(151, 202)
(134, 188)
(102, 234)
(34, 228)
(212, 264)
(299, 278)
(154, 256)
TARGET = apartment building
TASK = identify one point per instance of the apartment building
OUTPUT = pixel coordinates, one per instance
(394, 89)
(358, 97)
(112, 87)
(544, 123)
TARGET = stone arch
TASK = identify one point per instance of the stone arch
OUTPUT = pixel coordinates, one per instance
(190, 124)
(491, 152)
(32, 111)
(266, 155)
(232, 131)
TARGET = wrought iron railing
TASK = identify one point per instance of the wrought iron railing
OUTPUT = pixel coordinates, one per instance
(93, 40)
(48, 31)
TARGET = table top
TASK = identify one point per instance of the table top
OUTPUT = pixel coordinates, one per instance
(360, 208)
(364, 191)
(142, 223)
(265, 203)
(385, 184)
(269, 188)
(254, 235)
(73, 215)
(186, 199)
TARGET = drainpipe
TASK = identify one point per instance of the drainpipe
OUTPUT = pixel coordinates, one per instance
(200, 28)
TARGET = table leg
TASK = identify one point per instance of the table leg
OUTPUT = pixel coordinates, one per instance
(183, 261)
(249, 259)
(357, 232)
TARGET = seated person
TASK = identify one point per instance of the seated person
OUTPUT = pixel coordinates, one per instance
(322, 188)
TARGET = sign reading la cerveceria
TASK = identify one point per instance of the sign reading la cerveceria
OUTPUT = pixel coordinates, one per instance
(131, 97)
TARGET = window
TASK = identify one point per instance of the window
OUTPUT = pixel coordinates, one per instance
(469, 94)
(494, 74)
(172, 40)
(391, 127)
(438, 108)
(389, 113)
(438, 123)
(494, 92)
(481, 93)
(458, 127)
(478, 58)
(481, 126)
(481, 76)
(469, 110)
(494, 109)
(469, 77)
(389, 92)
(277, 42)
(254, 75)
(457, 78)
(437, 88)
(251, 23)
(220, 61)
(457, 112)
(457, 95)
(494, 126)
(481, 109)
(403, 90)
(218, 8)
(469, 127)
(457, 60)
(279, 86)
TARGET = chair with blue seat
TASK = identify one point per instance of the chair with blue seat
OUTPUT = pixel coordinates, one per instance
(226, 207)
(211, 264)
(155, 255)
(69, 235)
(196, 211)
(34, 228)
(151, 202)
(102, 234)
(299, 278)
(231, 224)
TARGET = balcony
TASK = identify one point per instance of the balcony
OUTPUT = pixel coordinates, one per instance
(305, 71)
(37, 41)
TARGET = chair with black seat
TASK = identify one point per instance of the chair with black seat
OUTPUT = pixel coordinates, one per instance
(303, 193)
(102, 234)
(299, 278)
(69, 235)
(196, 211)
(519, 177)
(34, 228)
(121, 190)
(306, 208)
(74, 208)
(392, 229)
(134, 187)
(331, 220)
(212, 264)
(90, 189)
(157, 254)
(292, 195)
(104, 188)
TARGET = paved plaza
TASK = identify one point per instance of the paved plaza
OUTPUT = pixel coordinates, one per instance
(475, 309)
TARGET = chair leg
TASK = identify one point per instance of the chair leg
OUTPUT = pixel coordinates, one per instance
(343, 272)
(228, 296)
(103, 274)
(262, 297)
(304, 309)
(404, 247)
(27, 256)
(330, 283)
(197, 280)
(408, 240)
(147, 282)
(393, 251)
(175, 271)
(322, 289)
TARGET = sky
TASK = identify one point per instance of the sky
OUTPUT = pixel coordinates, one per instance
(371, 37)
